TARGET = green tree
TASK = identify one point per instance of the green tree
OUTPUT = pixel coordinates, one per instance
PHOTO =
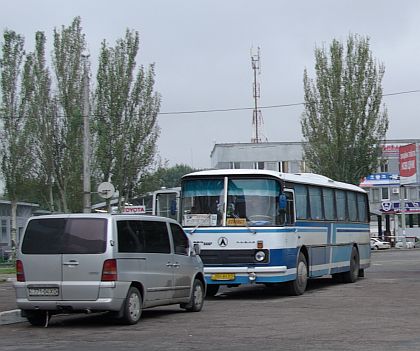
(343, 124)
(163, 177)
(42, 119)
(69, 45)
(125, 118)
(16, 157)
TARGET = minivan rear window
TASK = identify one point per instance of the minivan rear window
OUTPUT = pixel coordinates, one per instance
(65, 236)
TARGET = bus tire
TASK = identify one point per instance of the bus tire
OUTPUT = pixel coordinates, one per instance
(353, 274)
(212, 290)
(298, 286)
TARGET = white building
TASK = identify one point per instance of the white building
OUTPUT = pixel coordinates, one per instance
(24, 211)
(384, 186)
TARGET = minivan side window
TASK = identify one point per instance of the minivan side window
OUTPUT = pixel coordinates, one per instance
(143, 236)
(130, 236)
(181, 242)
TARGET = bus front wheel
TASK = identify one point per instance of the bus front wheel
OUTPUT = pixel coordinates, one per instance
(298, 286)
(212, 289)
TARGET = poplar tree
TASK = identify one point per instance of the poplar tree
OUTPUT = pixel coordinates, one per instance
(42, 118)
(15, 152)
(344, 122)
(125, 118)
(69, 45)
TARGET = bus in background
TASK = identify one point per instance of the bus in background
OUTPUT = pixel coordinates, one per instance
(258, 226)
(163, 202)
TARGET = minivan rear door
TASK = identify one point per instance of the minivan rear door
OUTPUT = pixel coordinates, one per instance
(41, 256)
(84, 252)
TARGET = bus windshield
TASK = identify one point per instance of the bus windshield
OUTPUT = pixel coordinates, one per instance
(249, 202)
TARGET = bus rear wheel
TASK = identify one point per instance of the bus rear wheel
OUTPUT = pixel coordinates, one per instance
(298, 286)
(353, 274)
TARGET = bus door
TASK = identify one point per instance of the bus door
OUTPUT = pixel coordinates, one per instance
(167, 204)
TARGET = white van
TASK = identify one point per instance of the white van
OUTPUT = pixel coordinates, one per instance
(103, 262)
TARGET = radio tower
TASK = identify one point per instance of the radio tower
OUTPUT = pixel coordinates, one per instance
(257, 121)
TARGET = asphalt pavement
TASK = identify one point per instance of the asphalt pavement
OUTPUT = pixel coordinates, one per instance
(9, 313)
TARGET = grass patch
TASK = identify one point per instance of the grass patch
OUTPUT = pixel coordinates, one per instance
(7, 270)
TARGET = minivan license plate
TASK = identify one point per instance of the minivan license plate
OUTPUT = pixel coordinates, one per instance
(43, 291)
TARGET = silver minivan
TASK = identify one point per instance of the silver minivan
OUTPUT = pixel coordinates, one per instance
(103, 262)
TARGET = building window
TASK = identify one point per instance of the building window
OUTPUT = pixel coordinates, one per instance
(385, 193)
(384, 166)
(375, 195)
(235, 165)
(258, 165)
(4, 231)
(406, 191)
(284, 166)
(302, 166)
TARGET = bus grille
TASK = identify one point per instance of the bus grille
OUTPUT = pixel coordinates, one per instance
(230, 256)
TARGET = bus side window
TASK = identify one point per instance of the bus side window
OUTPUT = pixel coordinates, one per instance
(290, 209)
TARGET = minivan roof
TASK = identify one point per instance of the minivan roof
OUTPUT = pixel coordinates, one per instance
(106, 216)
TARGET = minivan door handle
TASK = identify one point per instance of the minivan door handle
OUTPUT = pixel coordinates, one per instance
(169, 264)
(175, 265)
(71, 263)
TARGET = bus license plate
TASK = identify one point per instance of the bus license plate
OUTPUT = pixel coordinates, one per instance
(43, 291)
(223, 276)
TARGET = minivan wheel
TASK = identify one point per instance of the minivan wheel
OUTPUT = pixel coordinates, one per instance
(197, 297)
(132, 307)
(37, 318)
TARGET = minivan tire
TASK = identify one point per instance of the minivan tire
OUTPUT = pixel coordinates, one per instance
(37, 318)
(197, 297)
(132, 307)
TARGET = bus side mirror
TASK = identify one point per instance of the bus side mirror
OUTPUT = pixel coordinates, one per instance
(282, 202)
(196, 249)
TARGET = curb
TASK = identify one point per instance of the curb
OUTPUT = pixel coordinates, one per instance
(11, 317)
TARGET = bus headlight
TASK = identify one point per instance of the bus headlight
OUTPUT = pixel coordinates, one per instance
(260, 256)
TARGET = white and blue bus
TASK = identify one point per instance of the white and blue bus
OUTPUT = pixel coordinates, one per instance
(258, 226)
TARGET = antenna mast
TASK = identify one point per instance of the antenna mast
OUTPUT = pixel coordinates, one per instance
(257, 120)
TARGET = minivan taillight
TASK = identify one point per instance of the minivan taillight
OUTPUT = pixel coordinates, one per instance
(109, 270)
(20, 274)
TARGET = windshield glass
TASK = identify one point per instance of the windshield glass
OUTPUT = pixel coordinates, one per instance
(250, 202)
(202, 201)
(253, 202)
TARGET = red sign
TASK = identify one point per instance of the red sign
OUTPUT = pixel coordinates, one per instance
(408, 166)
(134, 209)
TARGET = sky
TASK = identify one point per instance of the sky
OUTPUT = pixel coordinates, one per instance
(202, 55)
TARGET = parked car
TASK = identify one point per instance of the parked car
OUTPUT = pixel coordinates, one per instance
(377, 244)
(103, 262)
(408, 244)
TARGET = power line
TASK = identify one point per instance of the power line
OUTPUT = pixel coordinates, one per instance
(265, 107)
(239, 108)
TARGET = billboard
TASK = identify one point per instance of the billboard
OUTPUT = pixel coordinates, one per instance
(408, 166)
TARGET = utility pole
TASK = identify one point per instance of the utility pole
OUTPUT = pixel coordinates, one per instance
(87, 208)
(256, 114)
